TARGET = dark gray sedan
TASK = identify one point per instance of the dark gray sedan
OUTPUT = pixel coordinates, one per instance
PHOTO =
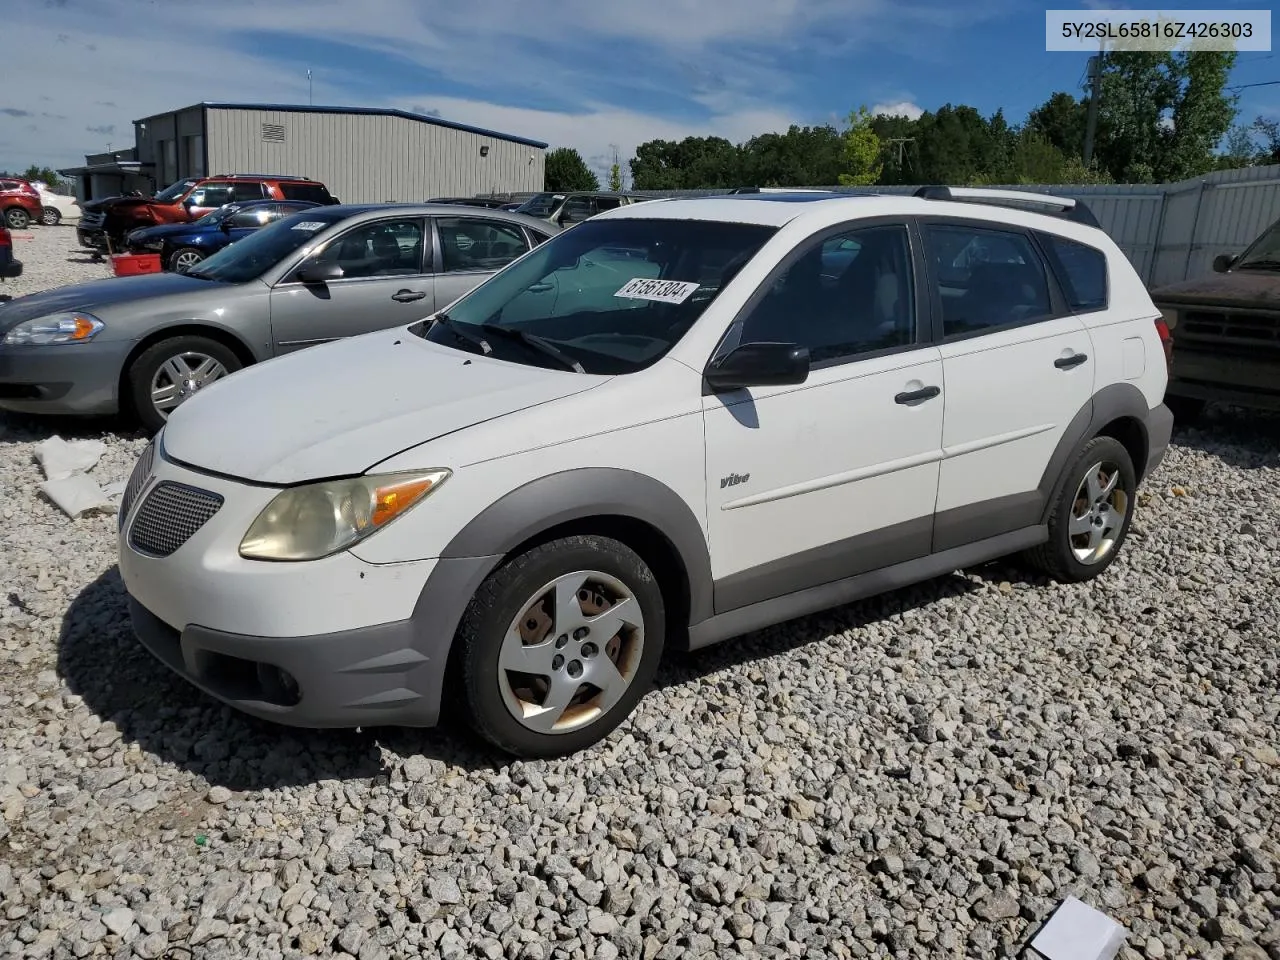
(142, 345)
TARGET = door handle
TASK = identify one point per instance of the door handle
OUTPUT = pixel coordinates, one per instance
(1066, 363)
(407, 296)
(913, 396)
(540, 288)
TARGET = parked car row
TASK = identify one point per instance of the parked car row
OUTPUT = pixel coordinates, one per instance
(23, 202)
(183, 245)
(105, 223)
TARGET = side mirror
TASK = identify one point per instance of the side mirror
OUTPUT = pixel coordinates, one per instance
(225, 225)
(317, 273)
(759, 365)
(1223, 262)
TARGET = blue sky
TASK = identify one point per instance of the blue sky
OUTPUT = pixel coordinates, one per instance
(583, 73)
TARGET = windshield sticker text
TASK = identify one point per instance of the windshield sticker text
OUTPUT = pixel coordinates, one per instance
(308, 225)
(663, 291)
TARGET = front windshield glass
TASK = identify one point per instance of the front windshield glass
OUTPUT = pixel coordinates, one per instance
(174, 190)
(1263, 253)
(541, 206)
(613, 295)
(257, 253)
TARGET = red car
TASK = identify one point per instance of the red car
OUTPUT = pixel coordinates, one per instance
(19, 202)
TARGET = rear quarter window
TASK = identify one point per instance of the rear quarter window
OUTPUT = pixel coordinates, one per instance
(1081, 269)
(313, 192)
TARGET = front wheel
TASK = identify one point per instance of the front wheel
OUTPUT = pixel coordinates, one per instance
(51, 217)
(17, 218)
(559, 645)
(1092, 513)
(168, 373)
(182, 260)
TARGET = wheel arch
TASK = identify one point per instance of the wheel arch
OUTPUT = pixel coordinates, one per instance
(195, 328)
(1119, 411)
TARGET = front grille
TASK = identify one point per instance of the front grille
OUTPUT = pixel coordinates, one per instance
(1253, 329)
(169, 516)
(137, 480)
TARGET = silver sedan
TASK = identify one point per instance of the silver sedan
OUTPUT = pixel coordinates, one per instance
(142, 345)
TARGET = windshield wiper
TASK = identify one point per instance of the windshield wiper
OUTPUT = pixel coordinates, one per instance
(545, 347)
(459, 331)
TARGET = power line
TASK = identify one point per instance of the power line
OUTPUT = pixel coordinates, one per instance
(1246, 86)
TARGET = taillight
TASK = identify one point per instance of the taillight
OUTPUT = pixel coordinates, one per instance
(5, 239)
(1165, 323)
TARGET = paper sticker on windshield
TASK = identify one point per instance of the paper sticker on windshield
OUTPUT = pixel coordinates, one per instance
(663, 291)
(308, 225)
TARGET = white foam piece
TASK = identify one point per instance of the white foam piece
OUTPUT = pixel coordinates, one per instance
(1077, 931)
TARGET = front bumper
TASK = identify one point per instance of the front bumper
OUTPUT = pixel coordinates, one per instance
(95, 238)
(359, 644)
(64, 378)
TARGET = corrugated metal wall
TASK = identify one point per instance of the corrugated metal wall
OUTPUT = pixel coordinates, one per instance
(364, 158)
(1171, 231)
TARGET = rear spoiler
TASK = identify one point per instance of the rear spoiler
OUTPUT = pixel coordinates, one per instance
(1066, 207)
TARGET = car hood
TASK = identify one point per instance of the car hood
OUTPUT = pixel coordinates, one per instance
(340, 408)
(1243, 288)
(115, 203)
(98, 295)
(169, 231)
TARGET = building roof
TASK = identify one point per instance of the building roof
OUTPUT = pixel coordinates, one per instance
(356, 111)
(118, 167)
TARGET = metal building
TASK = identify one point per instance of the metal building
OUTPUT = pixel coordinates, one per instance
(362, 154)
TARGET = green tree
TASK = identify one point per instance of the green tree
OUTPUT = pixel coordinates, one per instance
(566, 170)
(44, 175)
(615, 177)
(1269, 130)
(1061, 120)
(862, 163)
(801, 157)
(1162, 114)
(690, 164)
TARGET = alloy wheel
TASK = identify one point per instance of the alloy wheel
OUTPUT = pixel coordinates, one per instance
(1098, 513)
(571, 653)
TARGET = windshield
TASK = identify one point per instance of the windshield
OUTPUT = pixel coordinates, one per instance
(613, 295)
(1263, 252)
(541, 206)
(257, 253)
(174, 190)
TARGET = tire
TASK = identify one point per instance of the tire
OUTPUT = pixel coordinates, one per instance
(17, 218)
(492, 693)
(188, 352)
(51, 217)
(1058, 557)
(184, 258)
(1185, 410)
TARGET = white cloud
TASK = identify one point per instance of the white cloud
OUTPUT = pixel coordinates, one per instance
(899, 108)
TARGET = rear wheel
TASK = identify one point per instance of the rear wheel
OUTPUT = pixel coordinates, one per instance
(17, 218)
(1091, 515)
(167, 374)
(184, 258)
(51, 217)
(559, 645)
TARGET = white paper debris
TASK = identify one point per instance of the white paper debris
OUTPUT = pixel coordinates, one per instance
(115, 488)
(61, 459)
(77, 495)
(1077, 931)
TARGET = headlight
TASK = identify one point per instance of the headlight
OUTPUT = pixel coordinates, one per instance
(56, 328)
(321, 519)
(1170, 317)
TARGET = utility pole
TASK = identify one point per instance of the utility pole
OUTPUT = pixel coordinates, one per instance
(1095, 97)
(900, 143)
(310, 98)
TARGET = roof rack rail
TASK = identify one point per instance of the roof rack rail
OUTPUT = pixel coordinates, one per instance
(265, 176)
(1067, 207)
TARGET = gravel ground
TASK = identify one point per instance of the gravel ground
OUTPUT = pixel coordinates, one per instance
(925, 774)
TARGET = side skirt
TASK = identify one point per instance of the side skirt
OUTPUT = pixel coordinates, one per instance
(765, 613)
